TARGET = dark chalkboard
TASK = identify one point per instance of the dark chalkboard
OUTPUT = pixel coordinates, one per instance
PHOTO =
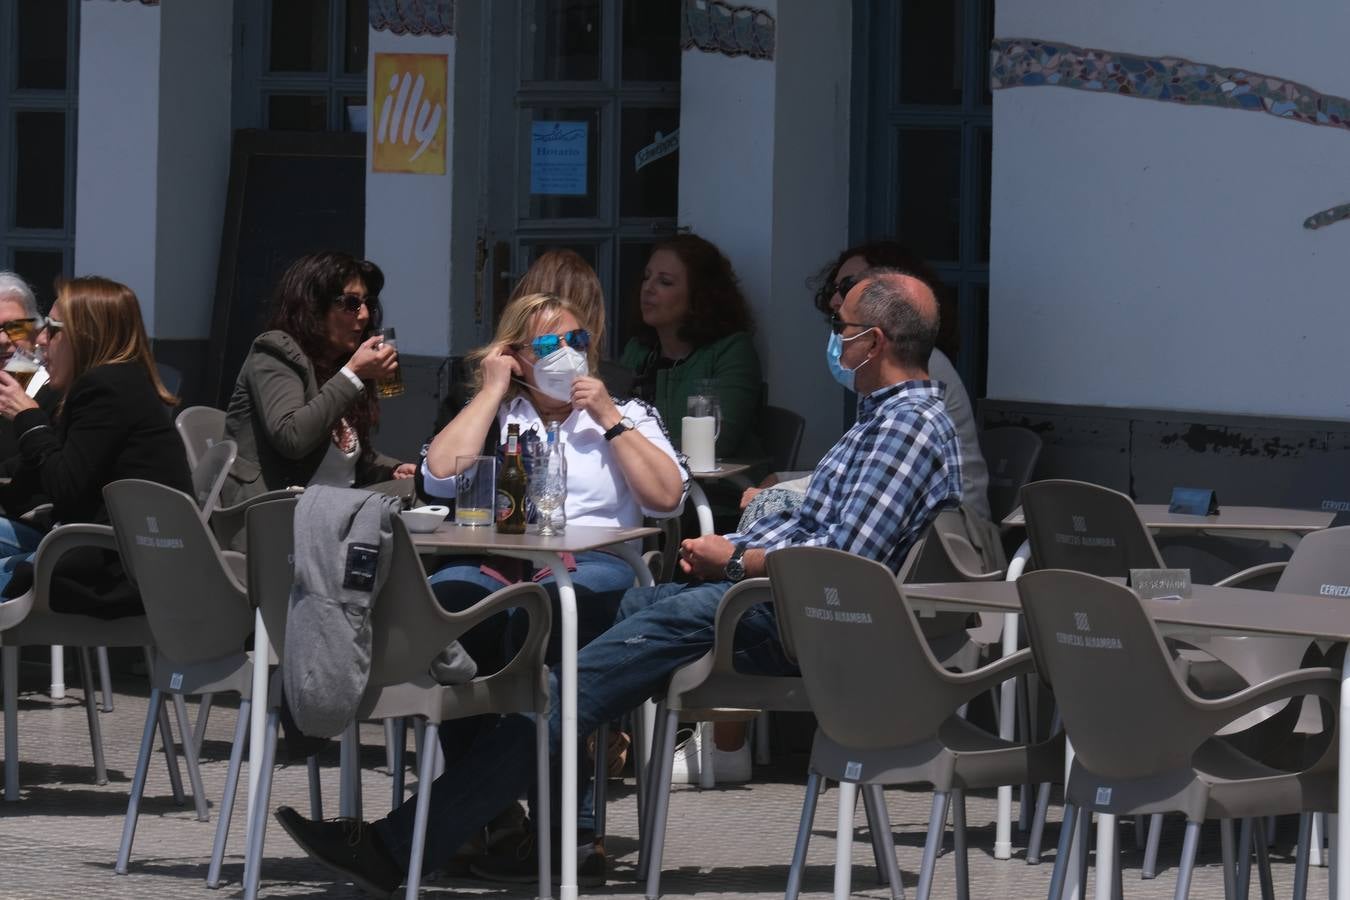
(290, 194)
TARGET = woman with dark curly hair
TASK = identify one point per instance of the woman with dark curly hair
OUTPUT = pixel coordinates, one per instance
(304, 406)
(696, 328)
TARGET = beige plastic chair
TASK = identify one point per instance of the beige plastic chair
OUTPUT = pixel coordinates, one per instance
(1011, 454)
(199, 638)
(200, 427)
(409, 628)
(209, 474)
(859, 648)
(1144, 742)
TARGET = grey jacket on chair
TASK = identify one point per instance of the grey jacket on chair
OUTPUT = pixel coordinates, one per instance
(282, 419)
(342, 554)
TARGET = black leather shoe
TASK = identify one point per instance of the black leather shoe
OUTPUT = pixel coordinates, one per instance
(517, 862)
(349, 847)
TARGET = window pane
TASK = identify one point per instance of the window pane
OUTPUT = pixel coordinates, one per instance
(303, 112)
(930, 52)
(355, 112)
(563, 163)
(986, 43)
(299, 36)
(40, 169)
(41, 45)
(40, 269)
(357, 43)
(562, 40)
(651, 40)
(649, 162)
(975, 328)
(984, 160)
(928, 179)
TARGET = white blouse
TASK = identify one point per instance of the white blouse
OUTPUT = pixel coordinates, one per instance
(597, 492)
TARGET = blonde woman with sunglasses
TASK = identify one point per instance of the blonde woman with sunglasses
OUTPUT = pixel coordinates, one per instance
(304, 407)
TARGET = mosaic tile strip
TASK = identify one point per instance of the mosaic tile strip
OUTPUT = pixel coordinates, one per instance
(716, 27)
(1028, 62)
(413, 16)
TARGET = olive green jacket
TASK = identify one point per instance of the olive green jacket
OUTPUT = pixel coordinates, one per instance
(283, 421)
(730, 361)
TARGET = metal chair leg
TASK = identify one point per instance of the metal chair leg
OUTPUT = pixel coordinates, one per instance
(1190, 843)
(887, 841)
(1301, 853)
(542, 793)
(843, 841)
(261, 801)
(1228, 850)
(1065, 845)
(91, 713)
(190, 754)
(203, 715)
(137, 784)
(1244, 859)
(600, 780)
(1263, 860)
(659, 802)
(315, 789)
(226, 811)
(9, 662)
(396, 737)
(170, 751)
(874, 831)
(937, 824)
(959, 845)
(1037, 836)
(1150, 867)
(426, 759)
(648, 786)
(794, 884)
(105, 679)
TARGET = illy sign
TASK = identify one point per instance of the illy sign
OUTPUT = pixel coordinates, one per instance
(410, 113)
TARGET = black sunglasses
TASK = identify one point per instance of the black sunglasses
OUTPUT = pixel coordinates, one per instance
(352, 303)
(837, 325)
(844, 285)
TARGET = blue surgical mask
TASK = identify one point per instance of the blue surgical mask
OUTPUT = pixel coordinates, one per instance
(834, 348)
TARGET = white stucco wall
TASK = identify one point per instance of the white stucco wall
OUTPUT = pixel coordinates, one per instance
(408, 219)
(116, 187)
(764, 175)
(1153, 254)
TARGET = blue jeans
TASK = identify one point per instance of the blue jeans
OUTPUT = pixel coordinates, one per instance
(18, 543)
(600, 581)
(660, 629)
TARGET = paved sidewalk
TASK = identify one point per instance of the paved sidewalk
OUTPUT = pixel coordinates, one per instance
(60, 840)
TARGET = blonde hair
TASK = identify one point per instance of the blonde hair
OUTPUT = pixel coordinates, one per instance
(521, 318)
(564, 273)
(102, 323)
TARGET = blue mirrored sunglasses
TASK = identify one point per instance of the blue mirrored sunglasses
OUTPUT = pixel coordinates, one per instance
(577, 339)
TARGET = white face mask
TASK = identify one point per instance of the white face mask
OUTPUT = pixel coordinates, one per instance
(554, 374)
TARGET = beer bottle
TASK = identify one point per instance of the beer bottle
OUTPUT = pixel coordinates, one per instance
(511, 487)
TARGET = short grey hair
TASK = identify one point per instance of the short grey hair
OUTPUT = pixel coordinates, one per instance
(12, 287)
(889, 301)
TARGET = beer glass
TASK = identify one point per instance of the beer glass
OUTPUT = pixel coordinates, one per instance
(21, 366)
(475, 490)
(393, 385)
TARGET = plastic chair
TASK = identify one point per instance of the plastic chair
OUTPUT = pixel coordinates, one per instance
(782, 430)
(856, 640)
(199, 646)
(1144, 742)
(209, 474)
(409, 628)
(199, 427)
(1011, 454)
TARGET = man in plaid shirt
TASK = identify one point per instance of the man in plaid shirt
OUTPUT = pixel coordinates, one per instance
(873, 494)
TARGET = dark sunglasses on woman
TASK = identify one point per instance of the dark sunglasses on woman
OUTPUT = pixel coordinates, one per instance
(352, 303)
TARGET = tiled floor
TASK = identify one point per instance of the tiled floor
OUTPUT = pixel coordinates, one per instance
(60, 839)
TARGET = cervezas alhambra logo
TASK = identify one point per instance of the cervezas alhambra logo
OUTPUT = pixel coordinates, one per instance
(409, 113)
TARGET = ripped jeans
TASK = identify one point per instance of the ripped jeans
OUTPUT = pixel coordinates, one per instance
(660, 629)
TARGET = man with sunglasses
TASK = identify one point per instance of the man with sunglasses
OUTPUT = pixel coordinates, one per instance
(19, 326)
(872, 494)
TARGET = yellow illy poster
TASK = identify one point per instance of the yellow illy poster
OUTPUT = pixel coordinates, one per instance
(410, 112)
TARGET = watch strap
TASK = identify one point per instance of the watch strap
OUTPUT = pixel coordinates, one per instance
(619, 427)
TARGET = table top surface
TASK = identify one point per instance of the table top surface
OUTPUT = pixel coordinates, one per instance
(726, 468)
(1208, 607)
(1230, 518)
(576, 539)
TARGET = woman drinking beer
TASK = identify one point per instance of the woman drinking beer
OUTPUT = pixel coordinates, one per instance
(305, 406)
(113, 422)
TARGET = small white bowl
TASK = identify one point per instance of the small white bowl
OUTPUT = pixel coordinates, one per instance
(424, 519)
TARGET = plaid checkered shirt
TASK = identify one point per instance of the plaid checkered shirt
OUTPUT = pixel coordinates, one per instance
(880, 486)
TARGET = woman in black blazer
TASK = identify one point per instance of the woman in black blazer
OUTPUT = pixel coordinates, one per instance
(114, 422)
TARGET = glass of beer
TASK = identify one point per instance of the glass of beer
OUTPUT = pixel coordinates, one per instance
(393, 385)
(21, 366)
(475, 490)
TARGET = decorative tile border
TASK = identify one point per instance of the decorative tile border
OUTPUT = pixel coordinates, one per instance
(716, 27)
(413, 16)
(1028, 62)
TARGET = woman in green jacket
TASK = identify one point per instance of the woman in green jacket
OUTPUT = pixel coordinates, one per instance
(696, 328)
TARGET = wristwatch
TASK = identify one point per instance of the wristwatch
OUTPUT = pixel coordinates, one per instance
(735, 568)
(624, 424)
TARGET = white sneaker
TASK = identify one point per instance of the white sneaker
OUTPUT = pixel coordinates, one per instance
(729, 766)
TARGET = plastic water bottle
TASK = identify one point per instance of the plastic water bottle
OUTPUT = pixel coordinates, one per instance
(555, 458)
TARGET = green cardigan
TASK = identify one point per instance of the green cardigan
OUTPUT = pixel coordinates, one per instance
(734, 364)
